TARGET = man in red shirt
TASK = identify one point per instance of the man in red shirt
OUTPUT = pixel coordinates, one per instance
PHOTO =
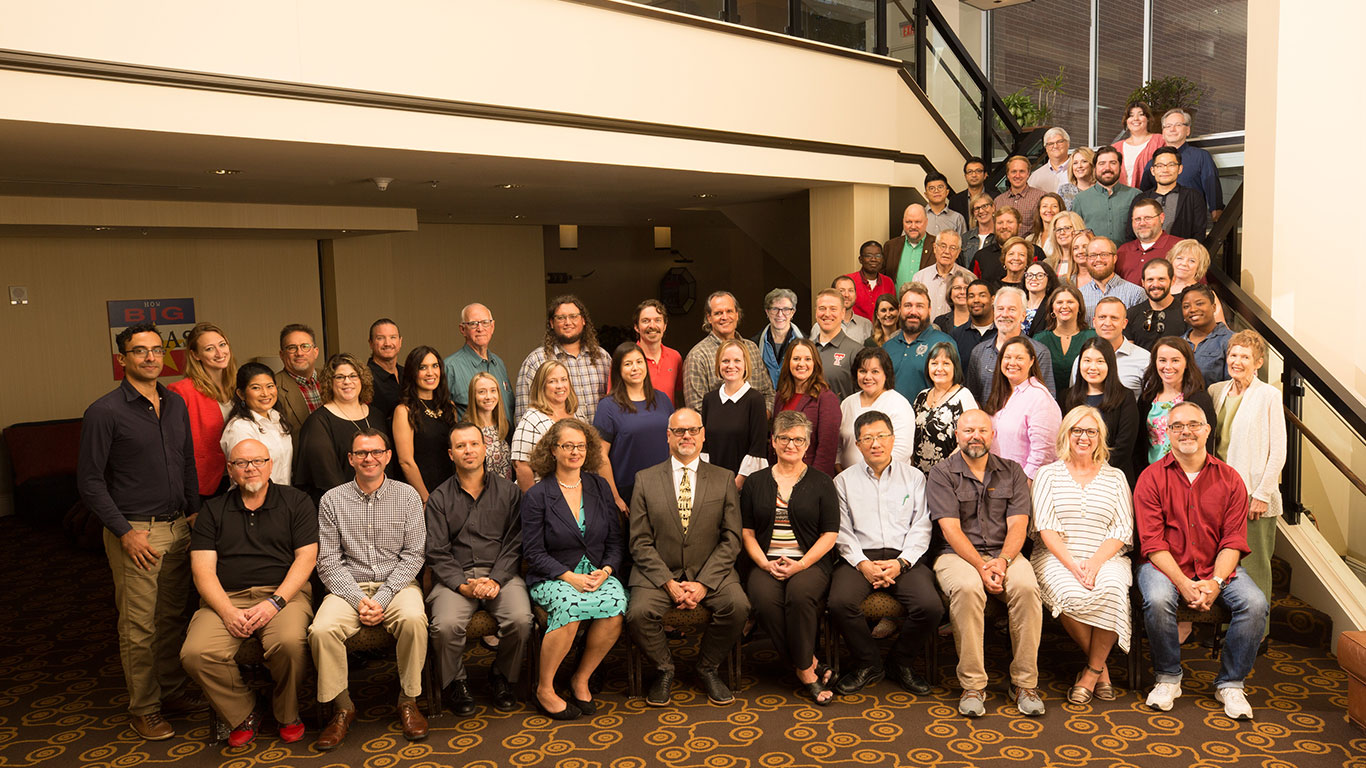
(1191, 511)
(1150, 241)
(665, 363)
(869, 282)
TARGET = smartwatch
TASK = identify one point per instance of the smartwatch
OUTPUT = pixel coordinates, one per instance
(277, 601)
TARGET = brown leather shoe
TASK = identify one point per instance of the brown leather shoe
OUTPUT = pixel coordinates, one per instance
(336, 730)
(414, 724)
(152, 727)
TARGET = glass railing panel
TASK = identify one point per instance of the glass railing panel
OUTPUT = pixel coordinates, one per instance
(711, 9)
(1337, 507)
(955, 95)
(846, 23)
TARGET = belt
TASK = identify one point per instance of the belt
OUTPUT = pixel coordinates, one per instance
(153, 518)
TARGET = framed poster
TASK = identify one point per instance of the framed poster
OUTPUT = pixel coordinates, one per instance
(173, 317)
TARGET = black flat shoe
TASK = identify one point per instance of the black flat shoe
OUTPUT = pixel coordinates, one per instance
(588, 707)
(570, 712)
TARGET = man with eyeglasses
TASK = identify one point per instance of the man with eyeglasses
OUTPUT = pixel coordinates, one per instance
(981, 503)
(937, 276)
(1053, 173)
(699, 368)
(1019, 195)
(884, 535)
(1101, 258)
(939, 217)
(371, 540)
(869, 282)
(1186, 214)
(251, 552)
(136, 473)
(975, 174)
(1160, 315)
(1190, 509)
(476, 325)
(297, 382)
(570, 338)
(1198, 171)
(1150, 241)
(910, 251)
(685, 538)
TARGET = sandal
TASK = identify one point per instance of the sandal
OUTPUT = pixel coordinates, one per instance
(824, 674)
(813, 691)
(1078, 694)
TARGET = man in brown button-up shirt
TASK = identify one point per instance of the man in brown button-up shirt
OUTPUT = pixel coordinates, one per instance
(1019, 195)
(981, 504)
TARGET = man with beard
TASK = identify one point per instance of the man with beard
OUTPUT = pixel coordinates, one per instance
(1150, 241)
(1191, 510)
(699, 369)
(385, 344)
(1187, 216)
(1009, 312)
(912, 250)
(664, 363)
(869, 282)
(571, 339)
(476, 325)
(979, 325)
(986, 264)
(981, 503)
(1160, 315)
(1101, 258)
(1019, 195)
(251, 552)
(1105, 205)
(909, 346)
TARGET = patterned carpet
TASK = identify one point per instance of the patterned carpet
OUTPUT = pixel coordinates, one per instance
(63, 704)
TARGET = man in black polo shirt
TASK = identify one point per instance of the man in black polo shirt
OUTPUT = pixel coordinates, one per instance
(252, 552)
(474, 548)
(136, 473)
(385, 345)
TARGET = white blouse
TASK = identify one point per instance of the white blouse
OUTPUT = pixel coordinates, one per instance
(271, 432)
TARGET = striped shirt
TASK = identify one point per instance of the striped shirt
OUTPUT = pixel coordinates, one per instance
(588, 375)
(370, 537)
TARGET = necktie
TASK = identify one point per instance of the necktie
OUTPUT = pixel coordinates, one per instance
(684, 500)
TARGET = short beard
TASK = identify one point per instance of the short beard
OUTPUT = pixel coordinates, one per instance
(254, 486)
(563, 340)
(975, 450)
(906, 325)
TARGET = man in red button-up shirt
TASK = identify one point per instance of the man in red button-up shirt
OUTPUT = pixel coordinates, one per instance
(1191, 511)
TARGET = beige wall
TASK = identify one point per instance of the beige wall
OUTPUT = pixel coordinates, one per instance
(842, 219)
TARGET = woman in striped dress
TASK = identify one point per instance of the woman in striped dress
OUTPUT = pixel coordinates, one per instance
(1083, 515)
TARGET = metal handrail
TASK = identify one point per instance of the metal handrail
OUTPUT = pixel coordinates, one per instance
(1323, 448)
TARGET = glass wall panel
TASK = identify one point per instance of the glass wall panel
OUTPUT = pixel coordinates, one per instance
(1034, 39)
(1120, 66)
(712, 9)
(846, 23)
(1205, 41)
(954, 94)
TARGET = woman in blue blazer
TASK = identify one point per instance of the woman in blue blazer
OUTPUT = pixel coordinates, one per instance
(572, 542)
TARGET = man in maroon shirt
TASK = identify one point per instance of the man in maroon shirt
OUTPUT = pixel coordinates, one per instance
(1191, 511)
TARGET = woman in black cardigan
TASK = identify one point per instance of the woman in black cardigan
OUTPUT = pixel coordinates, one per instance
(572, 542)
(790, 518)
(1098, 386)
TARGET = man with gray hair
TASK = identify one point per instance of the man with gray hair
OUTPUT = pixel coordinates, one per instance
(1009, 307)
(476, 325)
(937, 276)
(1197, 166)
(699, 367)
(1053, 173)
(912, 250)
(780, 304)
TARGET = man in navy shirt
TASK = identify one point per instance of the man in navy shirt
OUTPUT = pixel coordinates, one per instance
(1197, 167)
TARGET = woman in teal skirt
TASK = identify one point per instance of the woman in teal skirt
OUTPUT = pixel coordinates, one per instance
(573, 544)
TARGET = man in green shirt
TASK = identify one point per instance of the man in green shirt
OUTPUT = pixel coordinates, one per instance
(912, 250)
(476, 325)
(1105, 206)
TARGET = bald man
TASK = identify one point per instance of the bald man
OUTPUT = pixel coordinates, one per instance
(912, 250)
(476, 325)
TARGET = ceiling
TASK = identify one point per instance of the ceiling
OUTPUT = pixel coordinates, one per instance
(49, 160)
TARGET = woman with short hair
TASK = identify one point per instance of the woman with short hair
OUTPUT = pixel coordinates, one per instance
(956, 297)
(877, 392)
(938, 407)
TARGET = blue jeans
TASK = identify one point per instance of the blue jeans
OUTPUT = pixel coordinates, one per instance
(1242, 598)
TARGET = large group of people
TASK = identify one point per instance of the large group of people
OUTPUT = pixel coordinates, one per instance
(1012, 420)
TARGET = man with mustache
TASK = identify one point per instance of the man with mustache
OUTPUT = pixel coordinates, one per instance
(570, 338)
(981, 504)
(1105, 205)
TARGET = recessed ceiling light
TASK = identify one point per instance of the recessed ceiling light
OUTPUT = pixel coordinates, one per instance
(509, 186)
(224, 171)
(518, 216)
(101, 229)
(703, 195)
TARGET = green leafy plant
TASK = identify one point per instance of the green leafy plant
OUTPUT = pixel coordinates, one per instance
(1037, 108)
(1164, 93)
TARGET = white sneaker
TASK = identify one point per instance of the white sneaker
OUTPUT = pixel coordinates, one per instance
(1235, 703)
(1163, 695)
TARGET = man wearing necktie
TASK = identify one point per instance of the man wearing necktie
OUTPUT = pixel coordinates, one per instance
(685, 537)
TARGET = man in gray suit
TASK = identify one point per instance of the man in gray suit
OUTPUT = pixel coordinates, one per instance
(685, 536)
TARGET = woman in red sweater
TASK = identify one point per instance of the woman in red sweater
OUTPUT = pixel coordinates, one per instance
(210, 375)
(802, 387)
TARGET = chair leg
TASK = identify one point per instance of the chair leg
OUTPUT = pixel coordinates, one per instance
(1136, 657)
(832, 648)
(218, 730)
(932, 656)
(633, 682)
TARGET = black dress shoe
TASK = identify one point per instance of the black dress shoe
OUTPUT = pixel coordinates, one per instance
(504, 698)
(906, 677)
(660, 689)
(859, 679)
(459, 698)
(715, 688)
(588, 707)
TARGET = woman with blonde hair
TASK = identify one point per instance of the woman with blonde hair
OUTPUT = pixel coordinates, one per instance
(1083, 516)
(1081, 175)
(1058, 250)
(208, 387)
(1190, 262)
(488, 412)
(735, 416)
(552, 399)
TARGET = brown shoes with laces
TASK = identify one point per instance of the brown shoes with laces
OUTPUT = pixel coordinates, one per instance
(152, 727)
(414, 724)
(336, 730)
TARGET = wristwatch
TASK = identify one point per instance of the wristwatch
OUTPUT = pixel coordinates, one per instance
(277, 601)
(904, 563)
(1220, 582)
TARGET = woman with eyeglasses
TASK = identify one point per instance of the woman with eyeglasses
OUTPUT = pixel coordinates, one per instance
(981, 228)
(1064, 331)
(1058, 249)
(735, 417)
(487, 411)
(1099, 387)
(1039, 282)
(937, 408)
(422, 423)
(1083, 516)
(1172, 378)
(321, 464)
(573, 545)
(552, 399)
(877, 392)
(886, 320)
(790, 518)
(802, 388)
(208, 386)
(1081, 175)
(956, 296)
(253, 415)
(780, 305)
(632, 421)
(1022, 409)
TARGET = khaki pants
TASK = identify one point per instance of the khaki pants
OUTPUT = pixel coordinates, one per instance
(209, 650)
(404, 618)
(967, 608)
(151, 605)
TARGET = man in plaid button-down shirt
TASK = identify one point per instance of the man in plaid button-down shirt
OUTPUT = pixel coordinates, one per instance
(699, 368)
(571, 339)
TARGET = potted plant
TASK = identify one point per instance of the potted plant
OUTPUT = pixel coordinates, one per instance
(1033, 111)
(1173, 92)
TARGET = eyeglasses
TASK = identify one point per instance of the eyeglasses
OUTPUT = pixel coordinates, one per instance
(143, 352)
(1035, 276)
(946, 248)
(1175, 125)
(681, 431)
(1084, 432)
(297, 348)
(983, 207)
(1100, 253)
(880, 437)
(1144, 219)
(572, 447)
(345, 376)
(1060, 228)
(242, 464)
(377, 453)
(1165, 166)
(567, 318)
(799, 442)
(1186, 426)
(479, 325)
(781, 310)
(1055, 143)
(977, 171)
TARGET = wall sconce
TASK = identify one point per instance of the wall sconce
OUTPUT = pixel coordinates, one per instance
(664, 240)
(569, 237)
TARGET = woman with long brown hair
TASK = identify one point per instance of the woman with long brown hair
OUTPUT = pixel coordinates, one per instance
(802, 387)
(208, 386)
(422, 423)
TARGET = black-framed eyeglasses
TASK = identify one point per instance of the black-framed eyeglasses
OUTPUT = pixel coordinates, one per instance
(572, 447)
(242, 464)
(141, 352)
(689, 431)
(800, 442)
(377, 453)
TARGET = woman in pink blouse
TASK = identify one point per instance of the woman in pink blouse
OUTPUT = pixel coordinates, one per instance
(1025, 415)
(1138, 147)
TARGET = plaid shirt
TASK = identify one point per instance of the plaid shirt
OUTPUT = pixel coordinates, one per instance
(376, 537)
(700, 377)
(587, 376)
(313, 396)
